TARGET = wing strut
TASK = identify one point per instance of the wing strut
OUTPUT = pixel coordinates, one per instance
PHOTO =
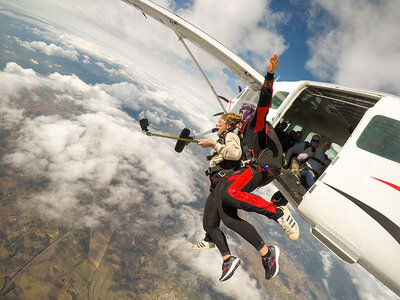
(202, 73)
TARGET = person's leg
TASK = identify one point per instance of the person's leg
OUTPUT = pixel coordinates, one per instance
(308, 178)
(231, 220)
(208, 215)
(269, 254)
(211, 222)
(295, 167)
(235, 194)
(250, 179)
(278, 199)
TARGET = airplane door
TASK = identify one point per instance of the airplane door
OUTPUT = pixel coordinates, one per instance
(354, 206)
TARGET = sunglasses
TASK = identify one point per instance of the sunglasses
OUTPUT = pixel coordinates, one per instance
(314, 141)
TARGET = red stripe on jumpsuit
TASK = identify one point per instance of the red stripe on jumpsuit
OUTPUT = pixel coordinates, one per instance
(260, 121)
(235, 191)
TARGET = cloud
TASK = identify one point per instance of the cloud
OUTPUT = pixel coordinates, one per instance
(369, 288)
(81, 154)
(326, 261)
(97, 166)
(252, 35)
(147, 45)
(359, 43)
(48, 49)
(240, 286)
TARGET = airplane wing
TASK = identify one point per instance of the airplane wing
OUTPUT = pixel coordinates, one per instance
(186, 30)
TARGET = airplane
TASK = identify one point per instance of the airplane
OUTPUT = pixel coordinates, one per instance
(354, 205)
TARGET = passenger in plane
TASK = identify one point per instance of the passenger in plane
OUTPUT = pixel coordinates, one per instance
(280, 132)
(314, 163)
(262, 162)
(291, 155)
(224, 160)
(294, 138)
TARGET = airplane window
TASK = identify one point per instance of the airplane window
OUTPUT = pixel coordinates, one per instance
(278, 98)
(310, 135)
(381, 137)
(297, 128)
(333, 151)
(251, 97)
(247, 95)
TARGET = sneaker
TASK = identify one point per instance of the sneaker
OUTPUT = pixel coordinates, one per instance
(203, 245)
(278, 199)
(288, 224)
(229, 267)
(271, 263)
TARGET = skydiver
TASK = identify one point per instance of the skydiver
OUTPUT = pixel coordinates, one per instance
(225, 155)
(262, 154)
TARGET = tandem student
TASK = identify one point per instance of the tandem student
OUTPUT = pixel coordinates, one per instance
(225, 156)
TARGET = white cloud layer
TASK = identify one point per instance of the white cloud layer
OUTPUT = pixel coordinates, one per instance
(359, 44)
(369, 288)
(48, 49)
(87, 149)
(80, 153)
(124, 31)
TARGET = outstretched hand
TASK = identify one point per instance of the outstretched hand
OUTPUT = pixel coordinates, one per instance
(273, 64)
(206, 143)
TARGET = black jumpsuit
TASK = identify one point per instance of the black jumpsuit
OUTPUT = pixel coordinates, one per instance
(233, 193)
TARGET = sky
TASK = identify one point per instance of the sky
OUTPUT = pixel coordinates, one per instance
(352, 43)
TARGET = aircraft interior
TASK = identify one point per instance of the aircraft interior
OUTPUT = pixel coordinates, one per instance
(328, 112)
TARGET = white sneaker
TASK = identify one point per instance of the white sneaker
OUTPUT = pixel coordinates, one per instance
(203, 245)
(288, 224)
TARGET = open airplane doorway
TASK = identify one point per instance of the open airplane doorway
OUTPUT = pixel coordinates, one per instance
(327, 111)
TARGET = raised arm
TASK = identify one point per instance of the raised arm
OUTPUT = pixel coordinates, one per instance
(265, 100)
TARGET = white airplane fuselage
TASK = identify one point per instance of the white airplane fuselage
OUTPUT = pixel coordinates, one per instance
(354, 206)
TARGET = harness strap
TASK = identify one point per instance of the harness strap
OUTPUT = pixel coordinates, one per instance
(217, 175)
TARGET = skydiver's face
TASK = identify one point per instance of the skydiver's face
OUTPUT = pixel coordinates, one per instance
(222, 126)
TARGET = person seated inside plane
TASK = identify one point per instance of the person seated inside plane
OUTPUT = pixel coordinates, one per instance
(280, 132)
(294, 138)
(291, 160)
(313, 163)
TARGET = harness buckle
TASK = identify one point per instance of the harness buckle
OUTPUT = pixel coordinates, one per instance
(221, 174)
(248, 162)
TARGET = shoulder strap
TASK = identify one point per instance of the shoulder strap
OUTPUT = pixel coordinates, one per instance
(241, 126)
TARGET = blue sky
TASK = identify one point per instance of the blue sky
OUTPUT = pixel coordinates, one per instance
(295, 31)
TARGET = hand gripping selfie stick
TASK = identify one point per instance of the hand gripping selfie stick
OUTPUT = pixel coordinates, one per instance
(183, 139)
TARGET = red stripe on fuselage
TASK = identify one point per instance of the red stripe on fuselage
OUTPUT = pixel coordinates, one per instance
(396, 187)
